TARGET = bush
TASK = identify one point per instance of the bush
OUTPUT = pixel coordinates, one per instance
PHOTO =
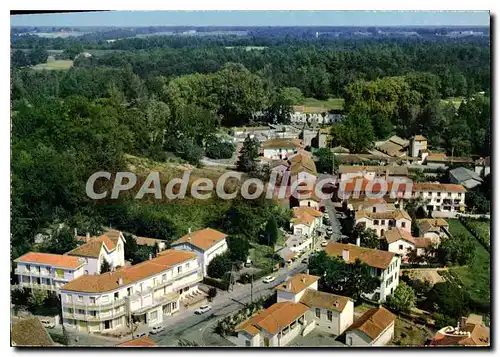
(218, 283)
(219, 266)
(216, 148)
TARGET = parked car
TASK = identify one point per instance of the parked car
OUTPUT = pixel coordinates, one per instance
(324, 243)
(329, 230)
(202, 309)
(140, 334)
(269, 279)
(47, 323)
(157, 329)
(326, 220)
(248, 262)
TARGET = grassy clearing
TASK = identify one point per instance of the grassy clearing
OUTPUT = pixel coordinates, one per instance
(53, 64)
(456, 101)
(259, 254)
(330, 103)
(476, 276)
(483, 227)
(409, 334)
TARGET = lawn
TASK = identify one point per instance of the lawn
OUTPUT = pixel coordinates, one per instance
(477, 276)
(409, 334)
(259, 254)
(330, 103)
(456, 101)
(53, 64)
(482, 226)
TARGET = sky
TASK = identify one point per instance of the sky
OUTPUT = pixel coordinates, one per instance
(257, 18)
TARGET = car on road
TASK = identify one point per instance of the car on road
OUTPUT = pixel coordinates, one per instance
(202, 309)
(329, 230)
(324, 243)
(156, 329)
(47, 323)
(140, 334)
(326, 220)
(269, 279)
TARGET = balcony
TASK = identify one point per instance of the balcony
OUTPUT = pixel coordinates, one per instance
(97, 306)
(174, 296)
(97, 317)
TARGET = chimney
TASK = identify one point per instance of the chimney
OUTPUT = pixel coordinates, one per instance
(120, 281)
(358, 243)
(345, 255)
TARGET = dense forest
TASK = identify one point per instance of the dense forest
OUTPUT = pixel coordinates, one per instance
(149, 97)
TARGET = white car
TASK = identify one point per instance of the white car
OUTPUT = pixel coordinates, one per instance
(269, 279)
(47, 324)
(156, 329)
(140, 334)
(202, 309)
(324, 244)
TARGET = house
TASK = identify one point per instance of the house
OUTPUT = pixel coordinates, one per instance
(446, 199)
(302, 167)
(151, 242)
(434, 228)
(385, 265)
(436, 160)
(109, 246)
(470, 331)
(305, 221)
(482, 166)
(394, 146)
(275, 326)
(144, 341)
(382, 221)
(48, 271)
(300, 308)
(347, 173)
(418, 143)
(29, 332)
(138, 294)
(374, 328)
(313, 115)
(465, 177)
(370, 205)
(207, 243)
(280, 148)
(399, 241)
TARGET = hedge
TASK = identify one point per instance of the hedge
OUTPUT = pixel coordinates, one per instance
(217, 283)
(482, 238)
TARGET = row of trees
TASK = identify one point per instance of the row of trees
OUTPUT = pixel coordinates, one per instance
(20, 58)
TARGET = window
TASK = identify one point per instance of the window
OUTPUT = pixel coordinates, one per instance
(438, 200)
(80, 298)
(349, 341)
(329, 315)
(248, 343)
(449, 194)
(153, 316)
(179, 270)
(285, 331)
(459, 194)
(116, 295)
(293, 325)
(92, 300)
(164, 277)
(382, 222)
(81, 311)
(374, 209)
(439, 194)
(375, 222)
(69, 298)
(187, 265)
(403, 224)
(318, 313)
(174, 305)
(93, 313)
(129, 291)
(400, 247)
(105, 298)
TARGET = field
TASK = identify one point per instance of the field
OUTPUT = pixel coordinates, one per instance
(409, 334)
(475, 277)
(330, 104)
(53, 64)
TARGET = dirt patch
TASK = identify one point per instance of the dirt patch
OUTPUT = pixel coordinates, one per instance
(430, 275)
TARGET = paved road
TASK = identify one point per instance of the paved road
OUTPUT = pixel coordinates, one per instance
(187, 325)
(334, 221)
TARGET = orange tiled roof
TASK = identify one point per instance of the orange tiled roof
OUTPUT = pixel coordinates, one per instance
(420, 138)
(397, 214)
(442, 187)
(477, 335)
(55, 260)
(394, 234)
(422, 242)
(144, 341)
(110, 281)
(436, 222)
(297, 283)
(372, 257)
(203, 238)
(315, 298)
(373, 322)
(93, 247)
(303, 218)
(274, 318)
(309, 210)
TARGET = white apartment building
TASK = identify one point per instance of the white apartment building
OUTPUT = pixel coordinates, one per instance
(385, 265)
(133, 296)
(447, 199)
(418, 144)
(313, 115)
(109, 246)
(300, 308)
(382, 221)
(205, 243)
(48, 271)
